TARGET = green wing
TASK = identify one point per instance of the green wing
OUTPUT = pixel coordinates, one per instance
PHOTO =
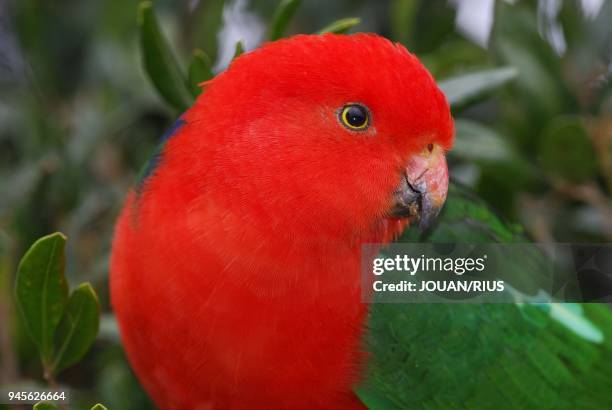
(481, 356)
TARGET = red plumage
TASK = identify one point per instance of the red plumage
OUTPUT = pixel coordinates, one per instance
(236, 264)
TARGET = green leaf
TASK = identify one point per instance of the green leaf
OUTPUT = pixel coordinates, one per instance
(492, 152)
(78, 328)
(282, 16)
(45, 405)
(200, 70)
(403, 18)
(465, 88)
(340, 26)
(98, 407)
(205, 20)
(41, 290)
(476, 142)
(239, 49)
(159, 62)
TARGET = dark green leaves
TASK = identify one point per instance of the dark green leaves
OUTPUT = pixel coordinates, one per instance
(286, 10)
(159, 62)
(475, 142)
(41, 290)
(340, 26)
(164, 71)
(461, 89)
(239, 49)
(63, 328)
(78, 328)
(483, 145)
(282, 17)
(200, 70)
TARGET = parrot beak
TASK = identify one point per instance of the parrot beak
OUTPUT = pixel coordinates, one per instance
(422, 189)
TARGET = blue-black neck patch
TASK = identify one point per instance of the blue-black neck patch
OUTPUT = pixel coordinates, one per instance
(151, 166)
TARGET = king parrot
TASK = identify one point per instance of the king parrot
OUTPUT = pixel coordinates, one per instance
(235, 272)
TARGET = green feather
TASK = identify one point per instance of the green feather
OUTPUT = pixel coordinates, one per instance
(487, 356)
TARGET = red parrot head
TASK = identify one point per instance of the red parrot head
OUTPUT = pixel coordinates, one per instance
(328, 136)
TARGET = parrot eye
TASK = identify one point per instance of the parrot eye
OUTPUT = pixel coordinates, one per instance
(355, 117)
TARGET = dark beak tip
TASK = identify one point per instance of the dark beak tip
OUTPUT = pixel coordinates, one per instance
(427, 219)
(430, 209)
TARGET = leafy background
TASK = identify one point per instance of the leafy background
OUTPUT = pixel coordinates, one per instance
(79, 118)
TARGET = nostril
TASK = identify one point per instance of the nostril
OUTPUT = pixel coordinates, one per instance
(430, 147)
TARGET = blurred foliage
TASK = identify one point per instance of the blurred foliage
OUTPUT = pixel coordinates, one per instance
(79, 118)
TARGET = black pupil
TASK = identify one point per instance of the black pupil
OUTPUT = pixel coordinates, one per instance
(356, 116)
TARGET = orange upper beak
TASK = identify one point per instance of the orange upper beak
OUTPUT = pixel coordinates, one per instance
(423, 187)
